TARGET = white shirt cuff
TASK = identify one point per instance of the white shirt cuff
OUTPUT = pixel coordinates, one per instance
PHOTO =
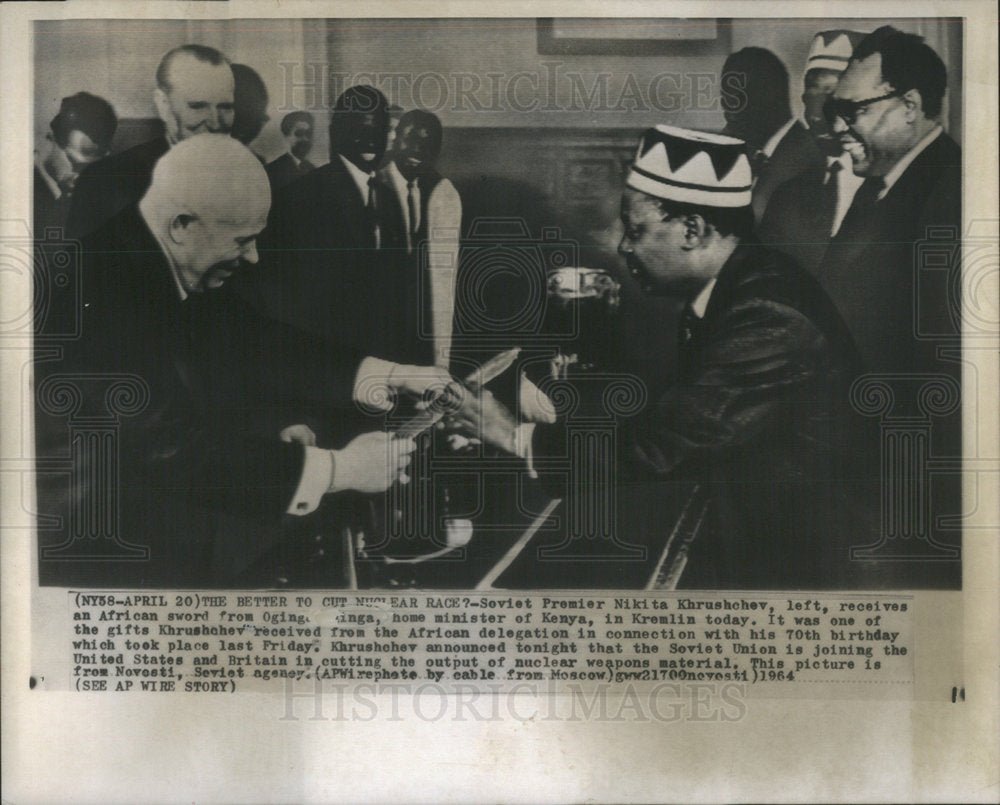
(523, 435)
(371, 384)
(317, 476)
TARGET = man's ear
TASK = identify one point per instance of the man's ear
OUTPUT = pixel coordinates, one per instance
(180, 227)
(914, 103)
(695, 230)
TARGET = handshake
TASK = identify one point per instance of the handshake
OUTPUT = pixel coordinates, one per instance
(374, 461)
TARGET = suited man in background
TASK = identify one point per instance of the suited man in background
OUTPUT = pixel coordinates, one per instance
(334, 250)
(249, 104)
(194, 94)
(432, 214)
(806, 211)
(156, 310)
(79, 135)
(886, 111)
(297, 129)
(755, 102)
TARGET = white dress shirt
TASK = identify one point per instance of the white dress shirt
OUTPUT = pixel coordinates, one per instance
(772, 144)
(359, 176)
(444, 223)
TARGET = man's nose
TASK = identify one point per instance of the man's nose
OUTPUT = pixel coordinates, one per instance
(624, 247)
(838, 125)
(212, 120)
(250, 252)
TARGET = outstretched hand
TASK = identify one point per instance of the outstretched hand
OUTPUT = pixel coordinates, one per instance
(371, 463)
(482, 416)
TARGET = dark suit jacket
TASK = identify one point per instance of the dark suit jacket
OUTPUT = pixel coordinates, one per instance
(758, 412)
(320, 269)
(872, 268)
(797, 221)
(283, 170)
(194, 484)
(795, 152)
(49, 211)
(107, 187)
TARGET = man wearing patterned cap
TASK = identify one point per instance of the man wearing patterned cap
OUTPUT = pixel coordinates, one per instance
(807, 210)
(757, 408)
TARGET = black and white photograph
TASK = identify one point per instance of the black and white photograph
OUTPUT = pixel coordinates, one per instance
(564, 367)
(414, 316)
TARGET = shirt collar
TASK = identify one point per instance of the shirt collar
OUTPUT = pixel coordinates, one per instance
(360, 177)
(51, 183)
(897, 170)
(844, 159)
(772, 143)
(700, 303)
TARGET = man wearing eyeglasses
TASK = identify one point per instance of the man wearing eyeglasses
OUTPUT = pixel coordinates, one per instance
(804, 212)
(886, 112)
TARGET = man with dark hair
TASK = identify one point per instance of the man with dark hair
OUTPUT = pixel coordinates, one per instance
(756, 105)
(432, 215)
(757, 410)
(886, 111)
(807, 210)
(194, 94)
(249, 104)
(79, 135)
(297, 129)
(334, 246)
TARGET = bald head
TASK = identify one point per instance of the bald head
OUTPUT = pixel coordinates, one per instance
(207, 202)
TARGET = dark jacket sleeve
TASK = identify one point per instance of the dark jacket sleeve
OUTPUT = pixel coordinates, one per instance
(182, 454)
(87, 207)
(270, 360)
(170, 439)
(747, 368)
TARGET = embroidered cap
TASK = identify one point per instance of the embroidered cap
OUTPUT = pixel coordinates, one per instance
(693, 167)
(831, 50)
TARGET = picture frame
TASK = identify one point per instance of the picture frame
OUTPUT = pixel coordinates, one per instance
(684, 37)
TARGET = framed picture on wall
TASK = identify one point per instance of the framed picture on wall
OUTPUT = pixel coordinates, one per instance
(580, 36)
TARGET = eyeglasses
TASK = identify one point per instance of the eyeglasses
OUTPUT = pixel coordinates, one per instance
(848, 110)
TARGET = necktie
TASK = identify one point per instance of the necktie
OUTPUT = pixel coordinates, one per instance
(831, 191)
(758, 162)
(372, 208)
(413, 204)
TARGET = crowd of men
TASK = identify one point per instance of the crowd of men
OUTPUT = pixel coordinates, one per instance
(268, 312)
